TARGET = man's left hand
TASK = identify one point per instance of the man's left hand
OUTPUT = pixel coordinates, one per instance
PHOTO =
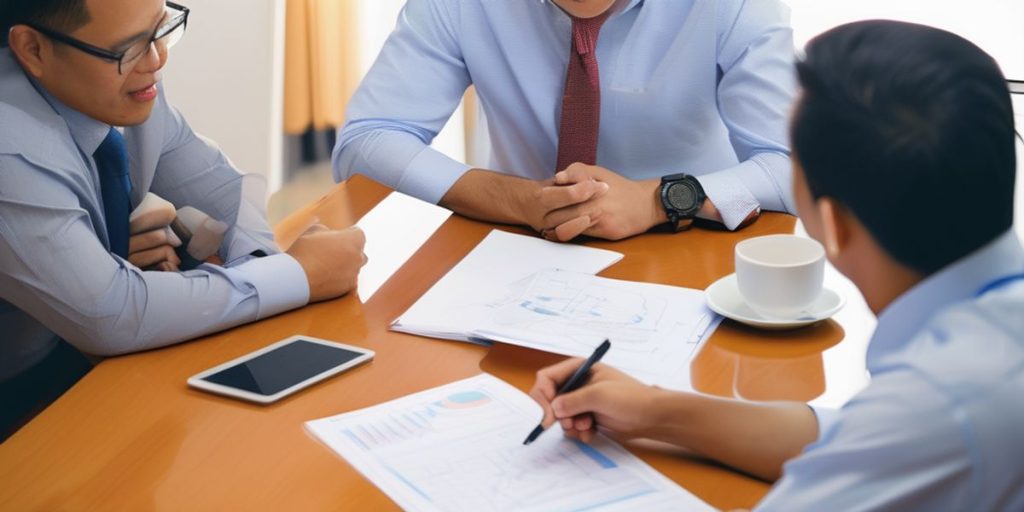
(628, 208)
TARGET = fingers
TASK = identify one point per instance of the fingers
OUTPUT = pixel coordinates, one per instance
(315, 228)
(547, 383)
(575, 173)
(561, 196)
(583, 422)
(357, 238)
(572, 410)
(154, 257)
(150, 240)
(543, 392)
(357, 234)
(558, 373)
(585, 400)
(569, 230)
(166, 267)
(587, 435)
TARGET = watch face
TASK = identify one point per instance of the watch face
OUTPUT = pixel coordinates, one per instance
(682, 196)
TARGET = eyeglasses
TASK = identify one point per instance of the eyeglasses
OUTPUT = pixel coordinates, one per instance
(166, 35)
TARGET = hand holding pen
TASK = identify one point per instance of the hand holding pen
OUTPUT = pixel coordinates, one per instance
(607, 399)
(574, 382)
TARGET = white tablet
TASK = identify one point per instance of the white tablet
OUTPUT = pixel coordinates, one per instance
(280, 369)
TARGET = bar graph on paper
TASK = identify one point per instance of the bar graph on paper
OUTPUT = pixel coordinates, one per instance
(459, 447)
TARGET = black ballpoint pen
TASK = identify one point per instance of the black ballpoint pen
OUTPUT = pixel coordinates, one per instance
(574, 382)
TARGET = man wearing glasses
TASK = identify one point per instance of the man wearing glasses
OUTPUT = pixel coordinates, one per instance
(85, 135)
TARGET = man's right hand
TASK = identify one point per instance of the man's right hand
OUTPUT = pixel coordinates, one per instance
(496, 197)
(539, 210)
(331, 260)
(610, 399)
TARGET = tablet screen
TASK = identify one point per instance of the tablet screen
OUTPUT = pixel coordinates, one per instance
(282, 367)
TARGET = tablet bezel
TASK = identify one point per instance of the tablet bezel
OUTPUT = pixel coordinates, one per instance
(197, 381)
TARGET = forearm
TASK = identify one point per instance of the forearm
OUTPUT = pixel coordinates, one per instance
(107, 308)
(163, 308)
(757, 438)
(493, 197)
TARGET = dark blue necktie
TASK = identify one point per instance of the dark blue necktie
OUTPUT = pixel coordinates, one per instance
(115, 185)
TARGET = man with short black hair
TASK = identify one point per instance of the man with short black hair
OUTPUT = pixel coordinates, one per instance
(904, 169)
(61, 15)
(86, 135)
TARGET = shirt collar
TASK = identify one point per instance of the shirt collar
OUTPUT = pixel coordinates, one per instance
(629, 4)
(87, 132)
(962, 280)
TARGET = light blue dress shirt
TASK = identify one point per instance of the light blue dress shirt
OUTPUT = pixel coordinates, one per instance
(57, 275)
(696, 86)
(941, 424)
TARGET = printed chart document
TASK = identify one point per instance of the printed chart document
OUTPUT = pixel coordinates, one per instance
(460, 447)
(655, 329)
(395, 229)
(500, 260)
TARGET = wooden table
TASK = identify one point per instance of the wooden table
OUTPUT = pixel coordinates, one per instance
(132, 436)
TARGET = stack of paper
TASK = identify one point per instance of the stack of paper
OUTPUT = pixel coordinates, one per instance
(450, 310)
(530, 292)
(460, 447)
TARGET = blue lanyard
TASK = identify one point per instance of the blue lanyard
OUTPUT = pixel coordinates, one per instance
(999, 283)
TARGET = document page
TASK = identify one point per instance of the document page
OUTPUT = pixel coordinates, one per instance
(460, 447)
(450, 309)
(655, 329)
(395, 229)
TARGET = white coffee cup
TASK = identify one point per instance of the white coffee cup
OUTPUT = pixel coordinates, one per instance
(779, 276)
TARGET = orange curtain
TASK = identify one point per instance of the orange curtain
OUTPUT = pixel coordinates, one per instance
(321, 63)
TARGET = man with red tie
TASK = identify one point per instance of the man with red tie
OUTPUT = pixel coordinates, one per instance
(605, 117)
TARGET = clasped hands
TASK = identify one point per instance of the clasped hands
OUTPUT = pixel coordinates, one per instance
(594, 201)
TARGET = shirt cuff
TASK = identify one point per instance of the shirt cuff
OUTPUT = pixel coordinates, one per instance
(727, 193)
(239, 244)
(430, 174)
(280, 283)
(827, 417)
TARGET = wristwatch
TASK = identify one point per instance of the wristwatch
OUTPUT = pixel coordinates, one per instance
(682, 197)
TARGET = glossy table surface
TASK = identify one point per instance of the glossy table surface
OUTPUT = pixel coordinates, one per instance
(132, 436)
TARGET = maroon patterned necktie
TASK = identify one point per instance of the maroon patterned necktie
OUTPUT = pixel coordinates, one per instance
(581, 101)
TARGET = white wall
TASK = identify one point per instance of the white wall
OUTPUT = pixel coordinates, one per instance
(997, 26)
(226, 76)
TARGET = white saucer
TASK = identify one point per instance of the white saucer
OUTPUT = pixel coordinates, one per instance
(723, 297)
